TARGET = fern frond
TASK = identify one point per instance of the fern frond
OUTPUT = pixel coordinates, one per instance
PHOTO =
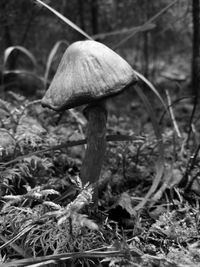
(10, 201)
(24, 169)
(83, 220)
(7, 143)
(6, 106)
(73, 208)
(9, 174)
(83, 199)
(52, 205)
(79, 219)
(12, 198)
(37, 163)
(29, 132)
(7, 179)
(77, 181)
(35, 193)
(39, 193)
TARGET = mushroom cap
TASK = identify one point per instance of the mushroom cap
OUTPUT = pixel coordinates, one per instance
(88, 71)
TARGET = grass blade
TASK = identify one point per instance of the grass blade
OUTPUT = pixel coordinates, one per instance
(136, 29)
(66, 20)
(50, 59)
(25, 72)
(150, 85)
(160, 161)
(22, 49)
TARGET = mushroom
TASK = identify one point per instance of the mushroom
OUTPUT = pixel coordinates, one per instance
(89, 72)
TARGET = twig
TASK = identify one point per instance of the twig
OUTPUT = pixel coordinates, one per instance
(15, 247)
(191, 120)
(109, 138)
(172, 104)
(15, 238)
(136, 29)
(190, 166)
(172, 113)
(75, 255)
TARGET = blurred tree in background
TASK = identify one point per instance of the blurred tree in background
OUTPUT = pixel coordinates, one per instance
(196, 52)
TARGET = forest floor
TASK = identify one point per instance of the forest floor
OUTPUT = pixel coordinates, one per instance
(46, 213)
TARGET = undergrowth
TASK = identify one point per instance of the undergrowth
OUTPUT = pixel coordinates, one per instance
(45, 209)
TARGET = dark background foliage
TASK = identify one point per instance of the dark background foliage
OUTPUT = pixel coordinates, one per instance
(169, 43)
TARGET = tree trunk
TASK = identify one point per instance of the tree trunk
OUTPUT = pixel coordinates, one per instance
(146, 41)
(94, 16)
(195, 63)
(146, 54)
(196, 55)
(81, 14)
(8, 41)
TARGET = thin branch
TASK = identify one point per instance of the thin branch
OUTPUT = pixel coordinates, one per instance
(75, 255)
(172, 113)
(145, 24)
(136, 29)
(109, 138)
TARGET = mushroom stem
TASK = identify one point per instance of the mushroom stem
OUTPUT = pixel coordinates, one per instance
(96, 144)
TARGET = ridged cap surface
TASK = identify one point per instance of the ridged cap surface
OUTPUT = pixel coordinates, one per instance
(88, 71)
